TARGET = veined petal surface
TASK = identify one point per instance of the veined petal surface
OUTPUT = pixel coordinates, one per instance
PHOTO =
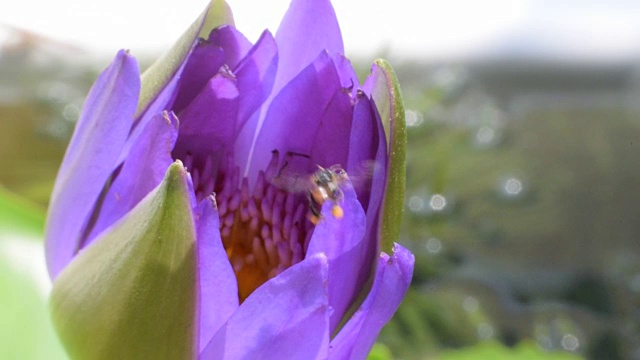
(392, 279)
(285, 318)
(101, 132)
(143, 169)
(217, 284)
(308, 27)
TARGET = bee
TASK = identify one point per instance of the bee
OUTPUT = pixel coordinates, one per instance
(324, 185)
(320, 186)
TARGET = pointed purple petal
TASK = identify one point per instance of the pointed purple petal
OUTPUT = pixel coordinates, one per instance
(255, 75)
(142, 171)
(213, 109)
(342, 241)
(207, 124)
(374, 79)
(218, 287)
(348, 77)
(100, 134)
(367, 152)
(203, 63)
(363, 142)
(297, 110)
(244, 145)
(308, 27)
(393, 276)
(191, 191)
(368, 156)
(379, 179)
(331, 142)
(160, 80)
(233, 43)
(285, 318)
(161, 102)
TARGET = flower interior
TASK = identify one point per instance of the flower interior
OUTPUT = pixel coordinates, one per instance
(264, 227)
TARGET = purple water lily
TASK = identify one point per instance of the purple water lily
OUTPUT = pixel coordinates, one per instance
(250, 123)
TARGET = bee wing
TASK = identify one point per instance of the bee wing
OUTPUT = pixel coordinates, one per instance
(293, 183)
(361, 174)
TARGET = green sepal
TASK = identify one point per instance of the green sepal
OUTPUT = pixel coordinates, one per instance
(388, 99)
(156, 77)
(131, 294)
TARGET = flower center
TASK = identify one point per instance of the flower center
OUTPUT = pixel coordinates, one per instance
(264, 230)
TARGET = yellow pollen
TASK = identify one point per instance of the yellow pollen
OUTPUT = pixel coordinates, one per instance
(337, 211)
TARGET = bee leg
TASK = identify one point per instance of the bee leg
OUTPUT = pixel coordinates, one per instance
(314, 215)
(314, 219)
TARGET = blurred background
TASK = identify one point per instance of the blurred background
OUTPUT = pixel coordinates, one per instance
(523, 180)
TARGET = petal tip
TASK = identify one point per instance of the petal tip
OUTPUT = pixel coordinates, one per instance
(405, 260)
(212, 201)
(176, 168)
(177, 177)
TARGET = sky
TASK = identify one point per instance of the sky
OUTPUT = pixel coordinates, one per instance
(450, 29)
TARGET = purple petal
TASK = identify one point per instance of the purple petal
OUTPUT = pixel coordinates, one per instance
(207, 125)
(191, 191)
(308, 27)
(393, 276)
(233, 43)
(244, 145)
(144, 168)
(348, 77)
(161, 102)
(367, 152)
(342, 241)
(100, 134)
(285, 318)
(218, 287)
(255, 75)
(368, 156)
(331, 142)
(375, 78)
(379, 171)
(297, 111)
(213, 111)
(202, 64)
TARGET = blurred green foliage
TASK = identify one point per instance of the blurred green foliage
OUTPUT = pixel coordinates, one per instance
(25, 328)
(380, 352)
(30, 154)
(20, 215)
(496, 351)
(537, 231)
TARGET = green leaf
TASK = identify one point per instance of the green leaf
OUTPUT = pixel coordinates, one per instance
(388, 99)
(131, 294)
(26, 331)
(19, 216)
(156, 77)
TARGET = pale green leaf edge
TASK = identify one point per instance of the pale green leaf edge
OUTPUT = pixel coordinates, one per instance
(157, 76)
(388, 100)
